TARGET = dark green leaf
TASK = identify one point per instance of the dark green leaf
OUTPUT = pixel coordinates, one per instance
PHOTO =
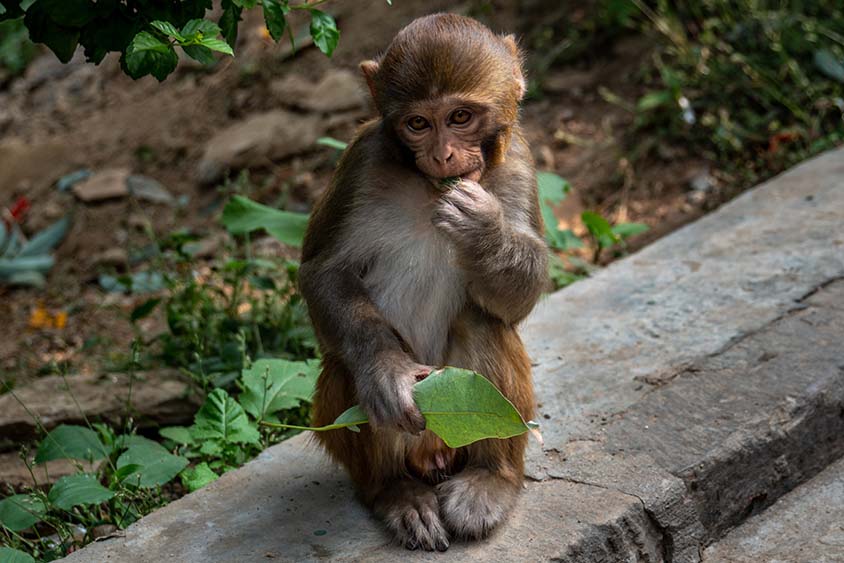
(654, 100)
(78, 489)
(70, 13)
(19, 512)
(324, 31)
(200, 28)
(71, 442)
(229, 21)
(43, 29)
(221, 417)
(9, 555)
(625, 230)
(168, 29)
(599, 228)
(246, 3)
(194, 478)
(275, 12)
(146, 54)
(155, 465)
(144, 309)
(271, 385)
(242, 215)
(199, 53)
(462, 407)
(217, 45)
(830, 65)
(178, 434)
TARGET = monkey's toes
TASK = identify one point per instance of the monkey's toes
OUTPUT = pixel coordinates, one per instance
(472, 505)
(420, 527)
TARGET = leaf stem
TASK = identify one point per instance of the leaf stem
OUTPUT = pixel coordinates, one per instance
(314, 428)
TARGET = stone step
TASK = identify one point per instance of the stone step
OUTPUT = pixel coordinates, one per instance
(807, 524)
(681, 390)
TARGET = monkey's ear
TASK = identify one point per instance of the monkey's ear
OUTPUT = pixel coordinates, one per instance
(369, 68)
(511, 44)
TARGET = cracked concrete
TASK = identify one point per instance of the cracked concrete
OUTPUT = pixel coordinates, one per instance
(681, 390)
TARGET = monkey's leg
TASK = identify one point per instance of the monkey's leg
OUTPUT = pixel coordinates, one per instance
(483, 495)
(411, 511)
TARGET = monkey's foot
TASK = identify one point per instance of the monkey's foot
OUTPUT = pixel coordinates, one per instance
(412, 512)
(476, 501)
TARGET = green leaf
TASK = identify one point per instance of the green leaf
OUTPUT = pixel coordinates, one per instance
(625, 230)
(9, 555)
(333, 143)
(229, 21)
(144, 309)
(146, 54)
(155, 465)
(654, 100)
(275, 12)
(200, 29)
(830, 65)
(459, 405)
(599, 228)
(19, 512)
(78, 489)
(194, 478)
(217, 45)
(62, 40)
(552, 190)
(324, 31)
(46, 240)
(178, 434)
(168, 29)
(223, 418)
(246, 3)
(462, 407)
(71, 442)
(70, 13)
(242, 215)
(271, 385)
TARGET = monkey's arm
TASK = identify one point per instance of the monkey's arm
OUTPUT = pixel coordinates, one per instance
(500, 245)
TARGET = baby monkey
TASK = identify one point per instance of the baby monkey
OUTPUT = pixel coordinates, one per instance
(426, 250)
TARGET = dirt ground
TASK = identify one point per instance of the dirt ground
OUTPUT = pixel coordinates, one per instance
(57, 119)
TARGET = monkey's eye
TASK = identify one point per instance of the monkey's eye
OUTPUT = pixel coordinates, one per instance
(418, 123)
(461, 117)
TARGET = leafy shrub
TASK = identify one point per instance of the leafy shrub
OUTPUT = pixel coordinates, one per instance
(740, 79)
(16, 50)
(146, 34)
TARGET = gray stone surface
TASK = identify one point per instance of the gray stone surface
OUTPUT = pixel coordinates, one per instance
(658, 380)
(804, 525)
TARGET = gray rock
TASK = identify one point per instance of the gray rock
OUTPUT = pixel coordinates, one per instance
(105, 184)
(267, 136)
(337, 90)
(805, 525)
(156, 398)
(147, 189)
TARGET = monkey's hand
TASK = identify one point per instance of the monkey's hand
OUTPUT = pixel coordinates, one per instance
(469, 214)
(386, 393)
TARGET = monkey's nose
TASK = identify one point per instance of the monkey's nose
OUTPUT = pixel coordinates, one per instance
(444, 157)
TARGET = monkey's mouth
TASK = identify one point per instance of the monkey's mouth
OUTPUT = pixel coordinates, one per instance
(474, 175)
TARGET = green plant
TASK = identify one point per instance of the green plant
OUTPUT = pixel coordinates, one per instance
(147, 33)
(760, 83)
(126, 483)
(16, 50)
(24, 262)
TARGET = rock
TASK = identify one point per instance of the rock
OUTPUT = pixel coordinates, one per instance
(338, 90)
(15, 474)
(147, 189)
(272, 135)
(158, 398)
(111, 257)
(105, 184)
(22, 161)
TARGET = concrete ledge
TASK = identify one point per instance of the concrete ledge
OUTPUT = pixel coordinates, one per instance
(681, 390)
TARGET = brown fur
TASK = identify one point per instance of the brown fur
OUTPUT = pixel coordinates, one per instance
(423, 490)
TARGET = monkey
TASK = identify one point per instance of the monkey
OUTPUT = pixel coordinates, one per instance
(402, 274)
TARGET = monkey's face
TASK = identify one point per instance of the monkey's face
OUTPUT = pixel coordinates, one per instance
(445, 136)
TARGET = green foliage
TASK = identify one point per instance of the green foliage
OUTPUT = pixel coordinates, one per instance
(194, 478)
(16, 50)
(19, 512)
(147, 34)
(71, 442)
(78, 490)
(272, 385)
(459, 405)
(9, 555)
(24, 262)
(758, 83)
(242, 215)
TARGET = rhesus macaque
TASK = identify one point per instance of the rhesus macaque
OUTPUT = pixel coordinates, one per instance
(403, 272)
